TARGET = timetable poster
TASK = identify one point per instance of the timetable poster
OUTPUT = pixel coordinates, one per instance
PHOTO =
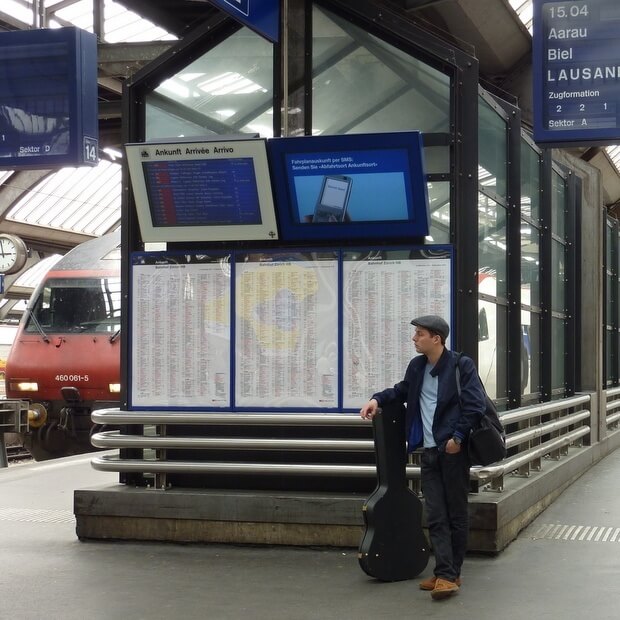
(286, 335)
(380, 298)
(181, 333)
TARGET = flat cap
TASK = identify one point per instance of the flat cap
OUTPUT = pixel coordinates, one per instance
(433, 323)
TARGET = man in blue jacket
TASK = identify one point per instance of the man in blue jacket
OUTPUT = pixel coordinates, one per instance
(440, 422)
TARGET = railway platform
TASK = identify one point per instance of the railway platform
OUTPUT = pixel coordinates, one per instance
(564, 565)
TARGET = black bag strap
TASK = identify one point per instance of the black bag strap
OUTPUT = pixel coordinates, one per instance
(490, 406)
(458, 374)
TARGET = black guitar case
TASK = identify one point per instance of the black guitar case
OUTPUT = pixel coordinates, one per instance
(394, 546)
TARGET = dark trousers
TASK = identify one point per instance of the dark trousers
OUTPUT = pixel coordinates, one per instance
(445, 485)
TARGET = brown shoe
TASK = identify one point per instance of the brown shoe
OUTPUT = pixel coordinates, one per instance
(444, 588)
(429, 584)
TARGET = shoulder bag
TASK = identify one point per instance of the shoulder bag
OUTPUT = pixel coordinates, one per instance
(486, 443)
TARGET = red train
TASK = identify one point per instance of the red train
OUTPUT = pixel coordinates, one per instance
(65, 358)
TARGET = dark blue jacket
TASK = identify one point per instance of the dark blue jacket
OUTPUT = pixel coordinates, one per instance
(451, 419)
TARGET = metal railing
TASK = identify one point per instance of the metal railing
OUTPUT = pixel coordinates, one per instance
(612, 407)
(534, 432)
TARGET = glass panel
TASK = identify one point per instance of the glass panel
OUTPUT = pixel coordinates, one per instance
(502, 352)
(86, 305)
(126, 26)
(437, 159)
(228, 90)
(530, 265)
(558, 278)
(609, 306)
(119, 25)
(68, 199)
(19, 11)
(612, 276)
(492, 149)
(439, 203)
(558, 206)
(609, 241)
(487, 341)
(363, 84)
(492, 258)
(530, 352)
(610, 362)
(616, 367)
(558, 334)
(492, 349)
(530, 182)
(33, 275)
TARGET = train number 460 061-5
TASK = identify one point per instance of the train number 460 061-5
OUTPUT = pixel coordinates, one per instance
(71, 377)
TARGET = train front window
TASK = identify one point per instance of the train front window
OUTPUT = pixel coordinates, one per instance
(77, 305)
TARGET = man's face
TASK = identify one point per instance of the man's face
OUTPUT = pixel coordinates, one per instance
(424, 341)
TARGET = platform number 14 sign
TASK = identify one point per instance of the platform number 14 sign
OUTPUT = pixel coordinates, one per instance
(91, 150)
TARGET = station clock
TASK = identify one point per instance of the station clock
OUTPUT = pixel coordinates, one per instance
(13, 253)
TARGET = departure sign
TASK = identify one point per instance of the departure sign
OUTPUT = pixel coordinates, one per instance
(48, 98)
(576, 61)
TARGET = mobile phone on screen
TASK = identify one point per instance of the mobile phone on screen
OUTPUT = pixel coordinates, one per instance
(331, 204)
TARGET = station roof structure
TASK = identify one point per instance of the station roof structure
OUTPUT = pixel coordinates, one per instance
(55, 210)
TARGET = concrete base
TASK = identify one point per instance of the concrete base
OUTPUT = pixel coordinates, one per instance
(308, 519)
(197, 515)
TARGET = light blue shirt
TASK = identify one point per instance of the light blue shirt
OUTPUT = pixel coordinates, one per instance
(428, 404)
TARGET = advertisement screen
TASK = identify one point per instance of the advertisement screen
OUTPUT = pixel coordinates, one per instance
(364, 186)
(350, 187)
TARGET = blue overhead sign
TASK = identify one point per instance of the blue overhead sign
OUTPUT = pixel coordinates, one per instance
(576, 60)
(48, 98)
(260, 15)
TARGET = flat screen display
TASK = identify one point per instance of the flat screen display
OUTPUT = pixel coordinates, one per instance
(202, 191)
(350, 187)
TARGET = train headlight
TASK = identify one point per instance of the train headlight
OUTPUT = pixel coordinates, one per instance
(115, 388)
(24, 386)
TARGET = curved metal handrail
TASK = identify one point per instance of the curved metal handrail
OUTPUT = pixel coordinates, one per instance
(614, 404)
(113, 439)
(519, 437)
(118, 417)
(613, 392)
(510, 464)
(611, 419)
(531, 411)
(116, 464)
(162, 442)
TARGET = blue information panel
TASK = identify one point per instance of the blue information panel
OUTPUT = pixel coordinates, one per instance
(202, 192)
(48, 98)
(354, 186)
(260, 15)
(576, 60)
